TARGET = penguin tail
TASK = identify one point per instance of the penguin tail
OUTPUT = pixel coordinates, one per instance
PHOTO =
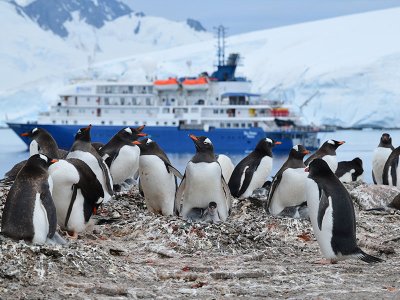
(367, 258)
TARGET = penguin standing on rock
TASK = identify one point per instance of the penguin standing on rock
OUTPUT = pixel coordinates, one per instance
(380, 156)
(253, 170)
(29, 212)
(391, 169)
(350, 171)
(121, 154)
(82, 149)
(203, 182)
(77, 194)
(332, 215)
(157, 178)
(328, 153)
(288, 186)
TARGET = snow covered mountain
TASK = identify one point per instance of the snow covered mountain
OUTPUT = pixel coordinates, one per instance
(342, 71)
(51, 37)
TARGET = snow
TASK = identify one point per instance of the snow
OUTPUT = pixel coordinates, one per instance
(342, 71)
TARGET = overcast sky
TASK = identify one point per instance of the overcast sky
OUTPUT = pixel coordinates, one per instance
(249, 15)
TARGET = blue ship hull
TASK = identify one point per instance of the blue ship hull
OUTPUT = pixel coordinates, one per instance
(174, 139)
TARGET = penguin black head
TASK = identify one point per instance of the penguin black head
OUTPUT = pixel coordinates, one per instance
(212, 205)
(298, 152)
(386, 140)
(130, 134)
(40, 160)
(265, 146)
(147, 145)
(83, 134)
(202, 143)
(33, 133)
(318, 168)
(333, 144)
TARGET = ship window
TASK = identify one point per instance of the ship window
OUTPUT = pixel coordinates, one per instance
(222, 125)
(75, 122)
(215, 111)
(195, 110)
(249, 125)
(165, 110)
(216, 99)
(124, 122)
(106, 101)
(173, 123)
(173, 100)
(228, 125)
(134, 101)
(76, 100)
(102, 122)
(136, 122)
(111, 122)
(236, 125)
(243, 125)
(87, 99)
(221, 111)
(54, 121)
(165, 123)
(130, 88)
(148, 101)
(122, 101)
(66, 122)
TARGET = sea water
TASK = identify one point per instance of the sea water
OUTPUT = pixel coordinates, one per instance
(359, 143)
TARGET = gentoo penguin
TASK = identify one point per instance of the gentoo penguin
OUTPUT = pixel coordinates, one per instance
(226, 165)
(157, 178)
(288, 185)
(203, 182)
(211, 214)
(328, 153)
(77, 193)
(82, 149)
(350, 171)
(391, 169)
(41, 143)
(332, 214)
(380, 156)
(121, 154)
(252, 171)
(29, 212)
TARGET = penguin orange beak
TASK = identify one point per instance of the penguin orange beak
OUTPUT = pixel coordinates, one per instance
(94, 210)
(278, 143)
(341, 142)
(142, 134)
(307, 169)
(306, 152)
(193, 137)
(140, 128)
(54, 161)
(88, 128)
(136, 143)
(25, 134)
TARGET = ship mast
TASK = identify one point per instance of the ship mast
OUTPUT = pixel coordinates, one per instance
(221, 34)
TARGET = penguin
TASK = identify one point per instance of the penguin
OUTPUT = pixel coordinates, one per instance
(203, 182)
(350, 171)
(41, 143)
(391, 169)
(328, 153)
(332, 214)
(77, 193)
(157, 178)
(121, 154)
(252, 171)
(29, 213)
(288, 185)
(380, 156)
(226, 165)
(82, 149)
(211, 215)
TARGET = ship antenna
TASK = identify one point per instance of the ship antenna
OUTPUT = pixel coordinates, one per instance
(221, 34)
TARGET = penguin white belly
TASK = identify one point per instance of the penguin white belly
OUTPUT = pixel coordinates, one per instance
(323, 235)
(158, 185)
(33, 148)
(93, 164)
(203, 185)
(126, 164)
(64, 175)
(347, 177)
(259, 176)
(379, 159)
(331, 160)
(40, 222)
(227, 166)
(290, 191)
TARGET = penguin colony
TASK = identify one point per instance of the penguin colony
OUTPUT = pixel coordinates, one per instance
(54, 187)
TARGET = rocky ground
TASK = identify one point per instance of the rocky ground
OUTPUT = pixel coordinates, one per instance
(131, 253)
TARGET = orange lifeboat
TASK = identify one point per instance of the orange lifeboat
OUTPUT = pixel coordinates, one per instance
(280, 112)
(200, 83)
(166, 84)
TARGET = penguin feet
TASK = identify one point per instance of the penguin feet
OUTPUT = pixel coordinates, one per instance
(72, 235)
(325, 261)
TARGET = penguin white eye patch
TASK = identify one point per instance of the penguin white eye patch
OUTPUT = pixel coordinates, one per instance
(34, 129)
(128, 130)
(207, 141)
(43, 157)
(331, 142)
(296, 148)
(149, 141)
(268, 140)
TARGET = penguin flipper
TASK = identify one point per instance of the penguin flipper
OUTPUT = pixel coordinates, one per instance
(393, 162)
(323, 205)
(178, 196)
(227, 193)
(48, 203)
(12, 174)
(107, 175)
(367, 257)
(174, 171)
(141, 192)
(274, 185)
(247, 178)
(373, 178)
